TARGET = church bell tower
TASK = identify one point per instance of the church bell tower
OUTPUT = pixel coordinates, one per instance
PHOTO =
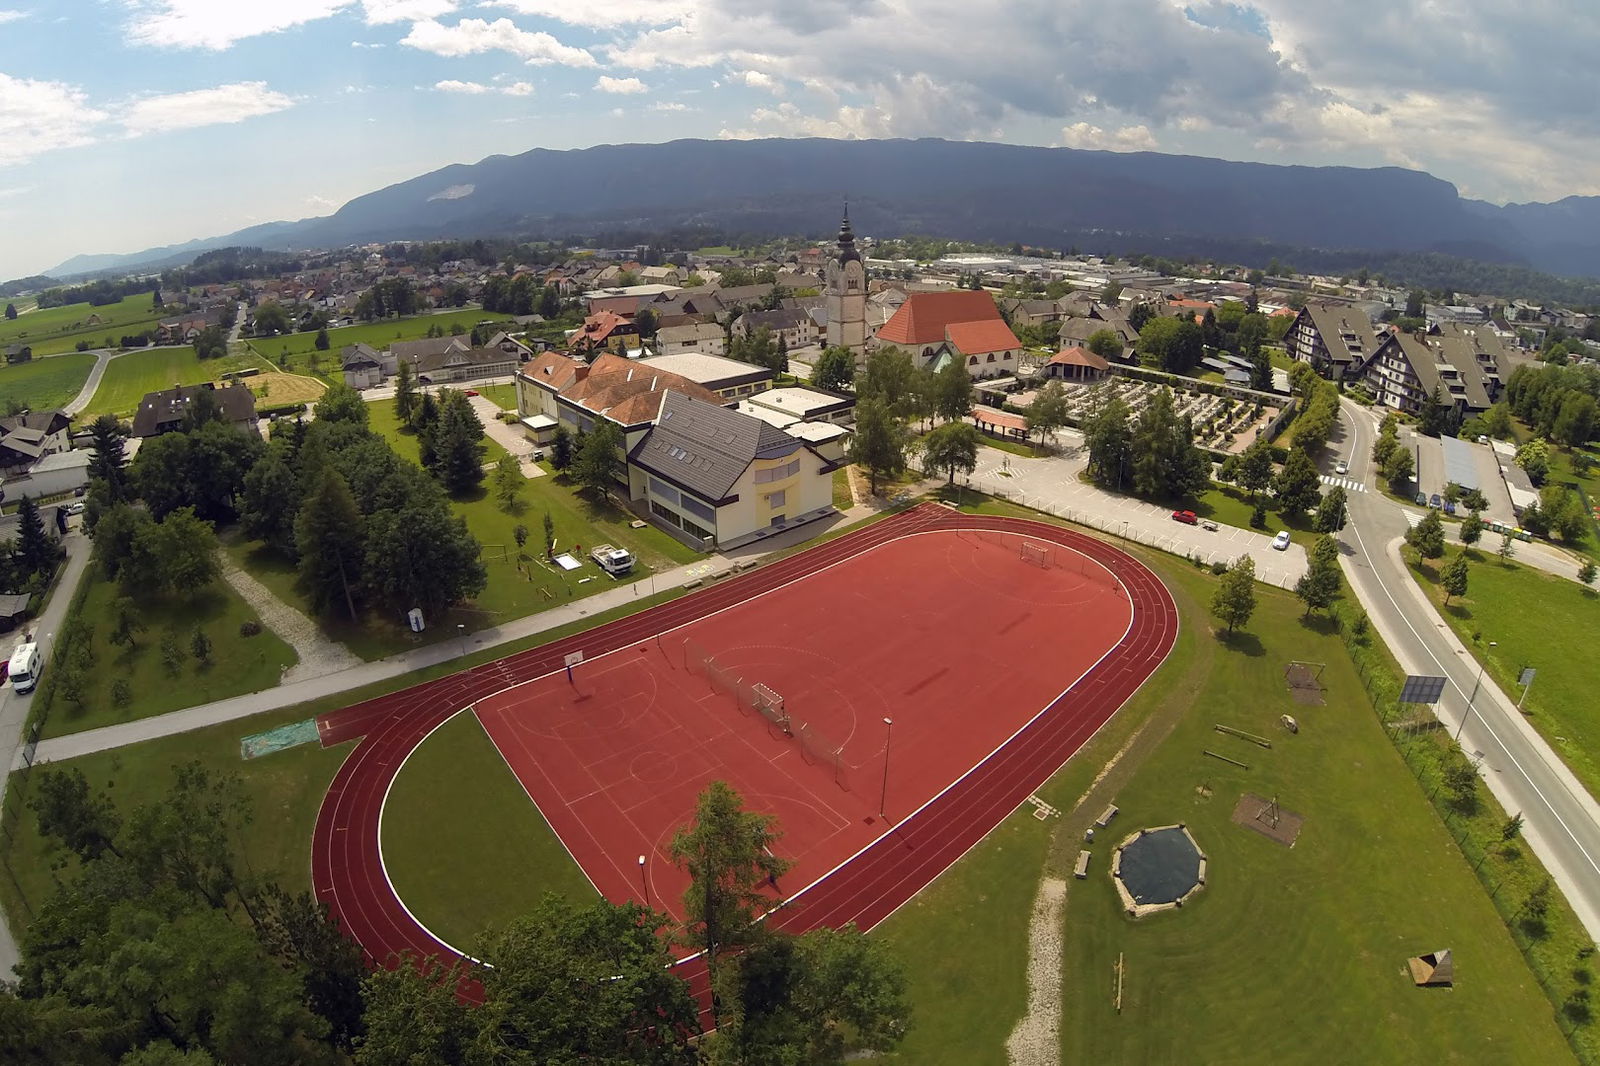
(847, 295)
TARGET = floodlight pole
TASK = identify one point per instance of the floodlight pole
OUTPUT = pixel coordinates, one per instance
(883, 796)
(644, 881)
(1475, 684)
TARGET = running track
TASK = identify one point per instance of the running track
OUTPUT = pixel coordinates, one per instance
(347, 870)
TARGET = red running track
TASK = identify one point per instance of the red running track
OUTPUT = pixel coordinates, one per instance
(347, 870)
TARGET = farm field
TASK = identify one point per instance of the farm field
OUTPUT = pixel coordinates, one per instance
(129, 377)
(297, 352)
(41, 384)
(59, 329)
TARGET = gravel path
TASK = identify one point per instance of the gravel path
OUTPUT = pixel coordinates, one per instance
(318, 655)
(1036, 1041)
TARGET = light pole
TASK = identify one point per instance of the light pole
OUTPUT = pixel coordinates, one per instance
(1527, 687)
(883, 796)
(461, 634)
(1475, 684)
(644, 881)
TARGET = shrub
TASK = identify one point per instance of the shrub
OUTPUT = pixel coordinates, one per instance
(121, 692)
(249, 628)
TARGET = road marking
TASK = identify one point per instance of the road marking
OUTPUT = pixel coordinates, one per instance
(1350, 484)
(1413, 519)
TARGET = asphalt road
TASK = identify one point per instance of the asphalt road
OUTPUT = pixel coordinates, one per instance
(1561, 821)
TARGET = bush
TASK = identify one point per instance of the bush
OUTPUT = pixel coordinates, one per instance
(121, 692)
(1219, 568)
(249, 628)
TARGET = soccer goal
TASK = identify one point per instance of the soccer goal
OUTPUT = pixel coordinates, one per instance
(1037, 554)
(769, 705)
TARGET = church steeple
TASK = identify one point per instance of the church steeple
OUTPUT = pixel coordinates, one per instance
(847, 239)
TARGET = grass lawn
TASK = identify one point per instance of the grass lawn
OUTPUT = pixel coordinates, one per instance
(1231, 506)
(238, 664)
(502, 396)
(41, 384)
(129, 377)
(1540, 621)
(1013, 445)
(843, 499)
(383, 421)
(59, 329)
(513, 858)
(297, 352)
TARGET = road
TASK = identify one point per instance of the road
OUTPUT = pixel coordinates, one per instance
(1561, 821)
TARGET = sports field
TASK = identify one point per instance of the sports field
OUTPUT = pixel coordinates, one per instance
(41, 384)
(883, 622)
(129, 377)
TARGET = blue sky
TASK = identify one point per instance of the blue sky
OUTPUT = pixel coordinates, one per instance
(131, 123)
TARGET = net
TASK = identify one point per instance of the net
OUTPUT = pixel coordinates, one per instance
(1037, 554)
(819, 751)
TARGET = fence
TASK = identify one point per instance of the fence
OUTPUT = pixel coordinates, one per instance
(1122, 528)
(756, 698)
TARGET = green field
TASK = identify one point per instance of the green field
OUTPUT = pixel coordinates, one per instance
(426, 844)
(298, 351)
(502, 396)
(239, 663)
(59, 329)
(129, 377)
(42, 384)
(1540, 621)
(1228, 979)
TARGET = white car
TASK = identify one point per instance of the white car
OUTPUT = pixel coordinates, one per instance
(75, 508)
(1342, 468)
(1281, 541)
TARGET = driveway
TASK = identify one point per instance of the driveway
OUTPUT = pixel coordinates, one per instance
(1052, 484)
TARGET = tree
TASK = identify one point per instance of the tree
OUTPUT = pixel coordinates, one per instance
(420, 554)
(1105, 343)
(85, 823)
(405, 394)
(209, 343)
(1471, 528)
(1319, 585)
(1048, 411)
(322, 341)
(549, 535)
(1255, 468)
(1575, 423)
(1171, 344)
(1397, 468)
(200, 646)
(727, 852)
(835, 369)
(295, 929)
(341, 403)
(171, 654)
(1109, 441)
(458, 444)
(37, 552)
(1588, 571)
(1165, 462)
(126, 621)
(953, 393)
(1427, 536)
(272, 501)
(11, 312)
(1235, 599)
(1507, 549)
(192, 837)
(590, 983)
(270, 319)
(183, 552)
(1512, 828)
(108, 456)
(1534, 458)
(599, 461)
(1453, 577)
(1332, 512)
(951, 447)
(413, 1016)
(328, 537)
(1434, 417)
(1296, 485)
(1497, 421)
(879, 444)
(888, 377)
(1414, 303)
(561, 449)
(509, 483)
(425, 424)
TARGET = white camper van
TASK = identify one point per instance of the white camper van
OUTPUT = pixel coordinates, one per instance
(23, 669)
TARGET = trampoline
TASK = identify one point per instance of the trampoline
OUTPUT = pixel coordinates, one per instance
(1156, 869)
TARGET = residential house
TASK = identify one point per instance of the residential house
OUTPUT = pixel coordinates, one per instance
(414, 351)
(1465, 366)
(661, 275)
(726, 478)
(706, 337)
(728, 378)
(165, 411)
(362, 366)
(1076, 329)
(793, 326)
(603, 329)
(1336, 339)
(54, 474)
(28, 437)
(1032, 312)
(958, 324)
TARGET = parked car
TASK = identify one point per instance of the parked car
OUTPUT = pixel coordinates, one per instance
(1188, 518)
(472, 392)
(1281, 541)
(1435, 502)
(1422, 499)
(1449, 507)
(76, 508)
(611, 559)
(1342, 468)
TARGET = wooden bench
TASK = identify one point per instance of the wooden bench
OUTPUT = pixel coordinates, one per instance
(1081, 870)
(1105, 816)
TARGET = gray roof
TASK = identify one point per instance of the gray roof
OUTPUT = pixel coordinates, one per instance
(781, 318)
(161, 411)
(411, 351)
(705, 448)
(712, 371)
(357, 356)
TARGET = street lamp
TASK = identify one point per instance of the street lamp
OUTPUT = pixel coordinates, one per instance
(643, 881)
(1475, 684)
(461, 635)
(883, 796)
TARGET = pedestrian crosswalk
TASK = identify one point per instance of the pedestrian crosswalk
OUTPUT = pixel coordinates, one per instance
(1412, 518)
(1349, 484)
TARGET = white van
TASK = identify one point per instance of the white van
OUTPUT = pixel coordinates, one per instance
(23, 670)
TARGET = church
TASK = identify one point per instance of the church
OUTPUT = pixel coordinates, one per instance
(935, 327)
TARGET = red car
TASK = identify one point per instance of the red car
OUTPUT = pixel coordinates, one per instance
(1188, 518)
(472, 392)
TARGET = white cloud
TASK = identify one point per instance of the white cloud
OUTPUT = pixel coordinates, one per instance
(11, 16)
(475, 36)
(756, 79)
(380, 12)
(1123, 139)
(218, 25)
(42, 116)
(363, 44)
(620, 86)
(203, 107)
(669, 105)
(321, 203)
(605, 14)
(475, 88)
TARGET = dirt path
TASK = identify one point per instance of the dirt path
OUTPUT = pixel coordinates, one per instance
(1036, 1041)
(318, 655)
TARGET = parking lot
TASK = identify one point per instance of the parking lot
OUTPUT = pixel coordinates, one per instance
(1484, 467)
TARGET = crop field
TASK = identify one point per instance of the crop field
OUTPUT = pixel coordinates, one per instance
(44, 383)
(298, 351)
(59, 329)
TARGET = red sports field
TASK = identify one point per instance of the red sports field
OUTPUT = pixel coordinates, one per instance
(952, 636)
(994, 671)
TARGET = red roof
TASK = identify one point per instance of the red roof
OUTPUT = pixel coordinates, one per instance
(979, 338)
(989, 416)
(1076, 356)
(925, 316)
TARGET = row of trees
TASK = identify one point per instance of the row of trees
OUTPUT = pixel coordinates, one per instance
(391, 296)
(167, 948)
(1152, 455)
(1319, 408)
(521, 295)
(1558, 402)
(891, 391)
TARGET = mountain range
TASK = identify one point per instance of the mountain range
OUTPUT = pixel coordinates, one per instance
(1052, 197)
